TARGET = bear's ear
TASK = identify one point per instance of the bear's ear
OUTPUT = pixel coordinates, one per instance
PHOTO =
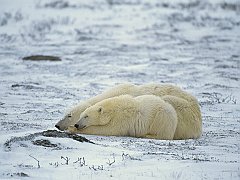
(100, 110)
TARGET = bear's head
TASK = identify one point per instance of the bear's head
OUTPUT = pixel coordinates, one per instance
(103, 112)
(72, 116)
(96, 115)
(65, 122)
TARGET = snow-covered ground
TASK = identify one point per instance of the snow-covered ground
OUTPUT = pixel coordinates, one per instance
(191, 43)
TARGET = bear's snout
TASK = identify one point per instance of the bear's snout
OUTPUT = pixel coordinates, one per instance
(79, 126)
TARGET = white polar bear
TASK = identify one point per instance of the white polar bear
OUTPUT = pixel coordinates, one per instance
(73, 116)
(100, 119)
(135, 90)
(146, 116)
(189, 118)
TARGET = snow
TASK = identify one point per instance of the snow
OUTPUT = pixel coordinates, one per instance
(193, 44)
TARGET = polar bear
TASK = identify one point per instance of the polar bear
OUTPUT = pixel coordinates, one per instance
(189, 118)
(95, 120)
(146, 116)
(135, 90)
(73, 115)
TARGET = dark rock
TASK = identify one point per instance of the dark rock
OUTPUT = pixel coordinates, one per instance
(41, 58)
(60, 134)
(21, 174)
(25, 86)
(45, 143)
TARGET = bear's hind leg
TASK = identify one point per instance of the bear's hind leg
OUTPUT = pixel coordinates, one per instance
(164, 124)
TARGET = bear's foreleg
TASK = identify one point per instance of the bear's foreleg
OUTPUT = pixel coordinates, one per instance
(97, 130)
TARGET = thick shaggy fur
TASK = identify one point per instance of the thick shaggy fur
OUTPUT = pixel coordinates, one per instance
(189, 118)
(146, 116)
(73, 115)
(95, 119)
(135, 90)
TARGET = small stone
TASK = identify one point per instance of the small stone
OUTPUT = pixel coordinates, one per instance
(41, 58)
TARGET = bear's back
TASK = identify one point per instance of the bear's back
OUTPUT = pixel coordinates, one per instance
(166, 89)
(151, 104)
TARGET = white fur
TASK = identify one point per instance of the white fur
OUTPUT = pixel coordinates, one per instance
(160, 90)
(146, 116)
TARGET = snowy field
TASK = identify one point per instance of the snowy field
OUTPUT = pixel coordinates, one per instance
(194, 44)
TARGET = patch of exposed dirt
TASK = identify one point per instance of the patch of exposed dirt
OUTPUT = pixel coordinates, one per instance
(43, 142)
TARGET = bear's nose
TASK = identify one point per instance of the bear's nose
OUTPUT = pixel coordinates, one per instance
(76, 125)
(57, 126)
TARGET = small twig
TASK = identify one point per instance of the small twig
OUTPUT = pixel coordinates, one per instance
(36, 160)
(93, 168)
(78, 160)
(81, 161)
(54, 164)
(124, 156)
(96, 168)
(100, 167)
(110, 163)
(66, 159)
(127, 156)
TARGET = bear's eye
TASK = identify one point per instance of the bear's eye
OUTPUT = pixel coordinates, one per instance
(69, 115)
(100, 109)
